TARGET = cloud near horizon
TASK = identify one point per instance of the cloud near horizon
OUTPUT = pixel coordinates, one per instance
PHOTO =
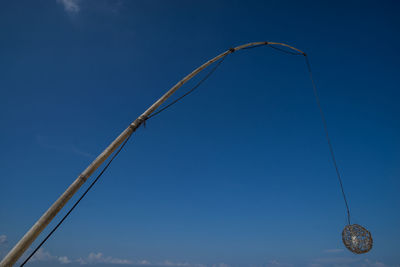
(346, 262)
(98, 258)
(3, 239)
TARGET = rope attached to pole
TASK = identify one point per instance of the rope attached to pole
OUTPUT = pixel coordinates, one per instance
(328, 139)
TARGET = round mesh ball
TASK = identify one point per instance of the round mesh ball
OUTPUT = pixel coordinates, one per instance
(357, 239)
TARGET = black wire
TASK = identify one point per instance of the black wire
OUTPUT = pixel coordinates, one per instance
(208, 75)
(323, 122)
(77, 202)
(285, 51)
(327, 136)
(191, 90)
(255, 46)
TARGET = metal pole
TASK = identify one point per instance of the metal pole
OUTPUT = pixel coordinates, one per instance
(12, 257)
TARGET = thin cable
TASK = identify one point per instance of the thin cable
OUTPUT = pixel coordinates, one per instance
(191, 90)
(77, 202)
(255, 46)
(205, 78)
(285, 51)
(323, 122)
(327, 136)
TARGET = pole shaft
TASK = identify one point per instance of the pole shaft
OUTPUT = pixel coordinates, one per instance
(12, 257)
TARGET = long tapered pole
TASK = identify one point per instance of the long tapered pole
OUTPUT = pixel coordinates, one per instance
(12, 257)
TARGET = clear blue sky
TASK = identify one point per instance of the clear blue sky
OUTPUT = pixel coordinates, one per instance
(239, 173)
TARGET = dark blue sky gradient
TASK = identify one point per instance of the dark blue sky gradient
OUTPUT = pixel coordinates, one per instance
(239, 172)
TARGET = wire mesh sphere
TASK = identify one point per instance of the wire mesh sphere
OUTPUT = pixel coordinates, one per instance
(357, 239)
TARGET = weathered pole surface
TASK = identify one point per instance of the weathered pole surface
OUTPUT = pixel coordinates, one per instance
(12, 257)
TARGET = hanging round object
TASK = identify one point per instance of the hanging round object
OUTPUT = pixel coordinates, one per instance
(357, 239)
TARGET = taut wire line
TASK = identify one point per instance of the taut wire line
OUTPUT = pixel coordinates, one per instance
(327, 136)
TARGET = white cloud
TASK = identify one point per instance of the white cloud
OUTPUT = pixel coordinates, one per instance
(345, 262)
(99, 258)
(42, 255)
(3, 246)
(275, 263)
(185, 264)
(46, 142)
(3, 239)
(95, 258)
(71, 6)
(45, 256)
(64, 260)
(144, 262)
(170, 263)
(368, 263)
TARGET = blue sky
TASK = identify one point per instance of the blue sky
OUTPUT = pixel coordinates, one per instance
(237, 174)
